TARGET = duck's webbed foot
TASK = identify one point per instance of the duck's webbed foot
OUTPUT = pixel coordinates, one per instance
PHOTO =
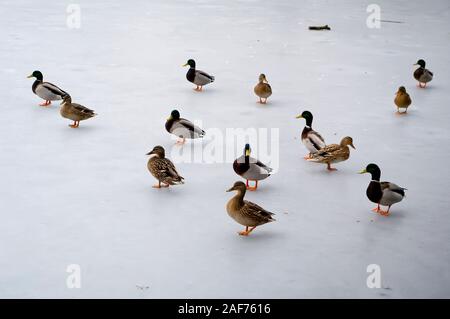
(247, 231)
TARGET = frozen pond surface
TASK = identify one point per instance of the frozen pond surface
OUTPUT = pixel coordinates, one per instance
(85, 197)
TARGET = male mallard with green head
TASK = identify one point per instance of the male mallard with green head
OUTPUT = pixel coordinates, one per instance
(250, 168)
(197, 77)
(310, 138)
(382, 193)
(333, 153)
(45, 90)
(263, 89)
(422, 75)
(74, 111)
(182, 128)
(402, 100)
(162, 168)
(246, 213)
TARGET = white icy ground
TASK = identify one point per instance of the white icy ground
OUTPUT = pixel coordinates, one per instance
(85, 197)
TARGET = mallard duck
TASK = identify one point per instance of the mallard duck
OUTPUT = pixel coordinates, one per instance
(250, 168)
(263, 89)
(182, 128)
(74, 111)
(246, 213)
(310, 138)
(45, 90)
(382, 193)
(402, 100)
(422, 75)
(162, 168)
(197, 77)
(333, 153)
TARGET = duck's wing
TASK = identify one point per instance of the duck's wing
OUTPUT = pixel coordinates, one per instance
(263, 166)
(255, 211)
(316, 140)
(202, 78)
(171, 170)
(186, 128)
(165, 171)
(388, 186)
(330, 153)
(49, 91)
(82, 110)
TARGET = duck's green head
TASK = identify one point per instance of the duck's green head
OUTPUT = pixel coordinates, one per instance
(238, 186)
(191, 63)
(174, 115)
(158, 150)
(36, 74)
(307, 115)
(372, 169)
(247, 150)
(421, 63)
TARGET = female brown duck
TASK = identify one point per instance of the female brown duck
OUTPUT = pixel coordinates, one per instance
(246, 213)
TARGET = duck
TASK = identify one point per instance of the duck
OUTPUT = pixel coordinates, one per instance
(310, 138)
(182, 128)
(250, 168)
(163, 169)
(246, 213)
(45, 90)
(197, 77)
(402, 100)
(74, 111)
(263, 89)
(333, 153)
(422, 74)
(382, 193)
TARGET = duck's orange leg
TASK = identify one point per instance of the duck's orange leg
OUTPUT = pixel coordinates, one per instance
(160, 186)
(183, 140)
(385, 213)
(376, 209)
(46, 103)
(247, 231)
(252, 188)
(331, 168)
(74, 125)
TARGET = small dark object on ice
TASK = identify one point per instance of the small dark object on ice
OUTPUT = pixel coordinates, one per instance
(321, 27)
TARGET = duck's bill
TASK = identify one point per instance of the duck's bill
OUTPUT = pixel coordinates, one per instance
(30, 76)
(149, 153)
(363, 171)
(299, 117)
(353, 146)
(185, 64)
(247, 153)
(230, 190)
